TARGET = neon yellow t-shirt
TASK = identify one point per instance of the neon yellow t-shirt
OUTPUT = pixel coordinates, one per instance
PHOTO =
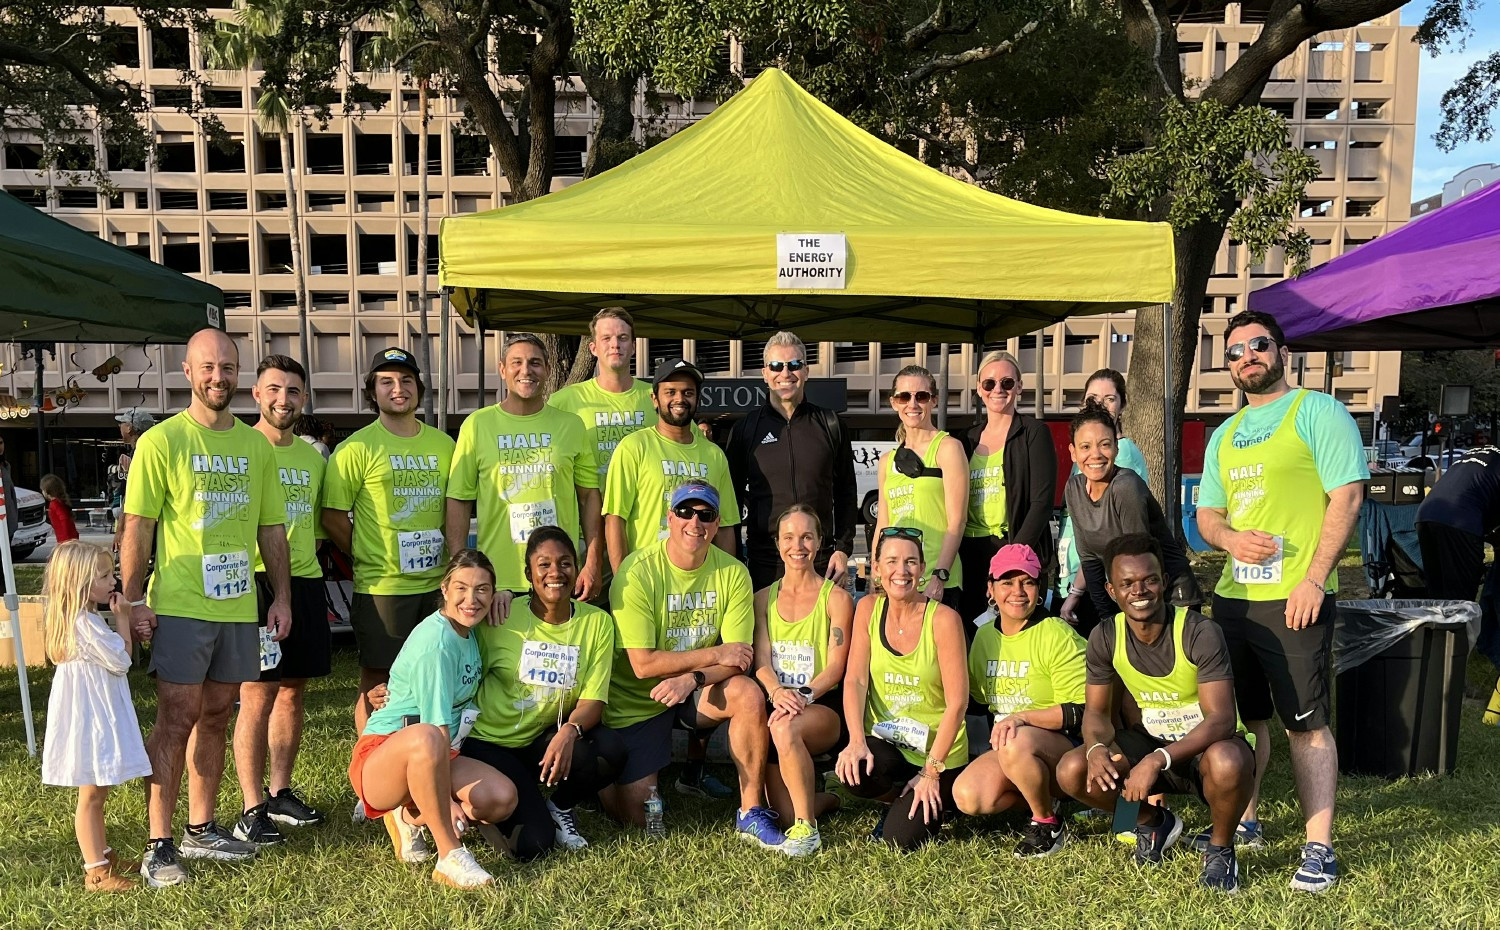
(659, 606)
(607, 417)
(646, 467)
(300, 468)
(536, 672)
(523, 472)
(906, 700)
(986, 495)
(396, 488)
(1041, 666)
(210, 492)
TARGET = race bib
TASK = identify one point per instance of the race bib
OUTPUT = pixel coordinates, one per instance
(793, 663)
(548, 665)
(226, 575)
(270, 650)
(903, 732)
(419, 550)
(1171, 723)
(465, 724)
(526, 517)
(1267, 572)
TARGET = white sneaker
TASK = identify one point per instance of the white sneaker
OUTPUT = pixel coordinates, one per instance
(410, 844)
(360, 815)
(567, 828)
(459, 870)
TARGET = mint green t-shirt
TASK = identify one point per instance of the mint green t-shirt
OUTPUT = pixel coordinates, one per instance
(434, 678)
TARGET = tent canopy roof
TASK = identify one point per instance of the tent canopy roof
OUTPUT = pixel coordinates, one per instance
(1433, 283)
(684, 236)
(64, 285)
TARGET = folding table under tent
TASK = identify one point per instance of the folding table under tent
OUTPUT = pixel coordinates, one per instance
(1433, 283)
(685, 237)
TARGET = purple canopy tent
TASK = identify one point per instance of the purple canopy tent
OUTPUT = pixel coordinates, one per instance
(1431, 284)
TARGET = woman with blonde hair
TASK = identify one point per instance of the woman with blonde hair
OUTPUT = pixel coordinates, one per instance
(1012, 470)
(924, 484)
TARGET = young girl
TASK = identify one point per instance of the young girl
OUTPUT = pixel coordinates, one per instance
(59, 509)
(93, 739)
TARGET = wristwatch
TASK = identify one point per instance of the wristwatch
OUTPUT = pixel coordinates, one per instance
(699, 679)
(941, 574)
(806, 692)
(938, 765)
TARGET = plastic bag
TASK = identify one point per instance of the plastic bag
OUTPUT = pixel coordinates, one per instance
(1367, 628)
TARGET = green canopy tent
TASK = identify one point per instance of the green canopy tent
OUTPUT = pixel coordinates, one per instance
(685, 236)
(61, 284)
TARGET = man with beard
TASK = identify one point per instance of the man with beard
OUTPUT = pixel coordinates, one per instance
(1282, 483)
(528, 465)
(270, 717)
(648, 464)
(391, 477)
(208, 484)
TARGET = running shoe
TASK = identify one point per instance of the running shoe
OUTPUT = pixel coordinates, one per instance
(705, 787)
(1319, 870)
(878, 834)
(1042, 839)
(1151, 843)
(1220, 870)
(215, 843)
(160, 868)
(285, 807)
(407, 839)
(360, 815)
(256, 827)
(1248, 834)
(803, 839)
(567, 827)
(758, 825)
(459, 869)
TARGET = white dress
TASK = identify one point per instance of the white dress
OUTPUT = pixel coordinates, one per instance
(93, 737)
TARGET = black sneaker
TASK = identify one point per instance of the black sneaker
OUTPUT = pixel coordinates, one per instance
(285, 807)
(1042, 839)
(255, 827)
(1152, 842)
(160, 868)
(1220, 870)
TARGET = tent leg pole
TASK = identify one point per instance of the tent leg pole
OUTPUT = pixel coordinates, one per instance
(942, 410)
(13, 607)
(443, 387)
(1170, 495)
(479, 334)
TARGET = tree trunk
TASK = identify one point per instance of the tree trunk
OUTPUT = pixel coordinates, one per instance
(422, 221)
(614, 132)
(299, 267)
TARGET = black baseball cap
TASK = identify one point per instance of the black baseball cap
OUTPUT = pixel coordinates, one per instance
(673, 367)
(395, 358)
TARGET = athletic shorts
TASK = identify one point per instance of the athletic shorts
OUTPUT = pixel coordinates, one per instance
(307, 651)
(188, 651)
(834, 701)
(363, 747)
(1275, 668)
(382, 622)
(648, 744)
(1182, 778)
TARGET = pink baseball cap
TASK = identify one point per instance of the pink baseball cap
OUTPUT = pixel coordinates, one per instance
(1015, 558)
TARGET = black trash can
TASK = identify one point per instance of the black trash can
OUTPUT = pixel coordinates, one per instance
(1400, 667)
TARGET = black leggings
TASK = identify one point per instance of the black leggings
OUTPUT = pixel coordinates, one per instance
(596, 758)
(891, 773)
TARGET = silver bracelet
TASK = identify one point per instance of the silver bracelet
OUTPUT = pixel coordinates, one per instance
(1090, 750)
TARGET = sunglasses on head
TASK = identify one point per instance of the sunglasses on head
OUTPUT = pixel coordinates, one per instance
(1256, 344)
(905, 397)
(902, 532)
(688, 512)
(1005, 384)
(795, 364)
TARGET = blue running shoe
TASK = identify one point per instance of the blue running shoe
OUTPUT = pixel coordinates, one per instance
(758, 825)
(1221, 872)
(1248, 835)
(706, 787)
(1319, 870)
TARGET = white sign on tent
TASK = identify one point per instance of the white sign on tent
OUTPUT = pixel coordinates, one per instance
(812, 260)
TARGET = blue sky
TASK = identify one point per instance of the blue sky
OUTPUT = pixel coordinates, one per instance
(1433, 166)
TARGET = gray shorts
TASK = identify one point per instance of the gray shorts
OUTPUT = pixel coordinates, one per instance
(188, 651)
(382, 622)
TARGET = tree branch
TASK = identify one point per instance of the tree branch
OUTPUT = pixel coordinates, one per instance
(106, 95)
(937, 24)
(971, 56)
(951, 154)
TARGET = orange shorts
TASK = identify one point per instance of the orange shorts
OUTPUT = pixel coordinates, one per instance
(362, 749)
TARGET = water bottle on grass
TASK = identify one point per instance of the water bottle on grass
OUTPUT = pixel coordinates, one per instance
(656, 827)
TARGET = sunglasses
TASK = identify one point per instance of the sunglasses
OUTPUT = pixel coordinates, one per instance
(1005, 384)
(905, 397)
(1256, 344)
(901, 532)
(794, 365)
(688, 512)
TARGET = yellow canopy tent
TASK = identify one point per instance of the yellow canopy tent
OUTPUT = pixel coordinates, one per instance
(686, 237)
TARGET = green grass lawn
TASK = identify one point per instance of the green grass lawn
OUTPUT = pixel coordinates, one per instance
(1419, 852)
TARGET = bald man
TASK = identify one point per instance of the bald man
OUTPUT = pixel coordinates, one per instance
(203, 495)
